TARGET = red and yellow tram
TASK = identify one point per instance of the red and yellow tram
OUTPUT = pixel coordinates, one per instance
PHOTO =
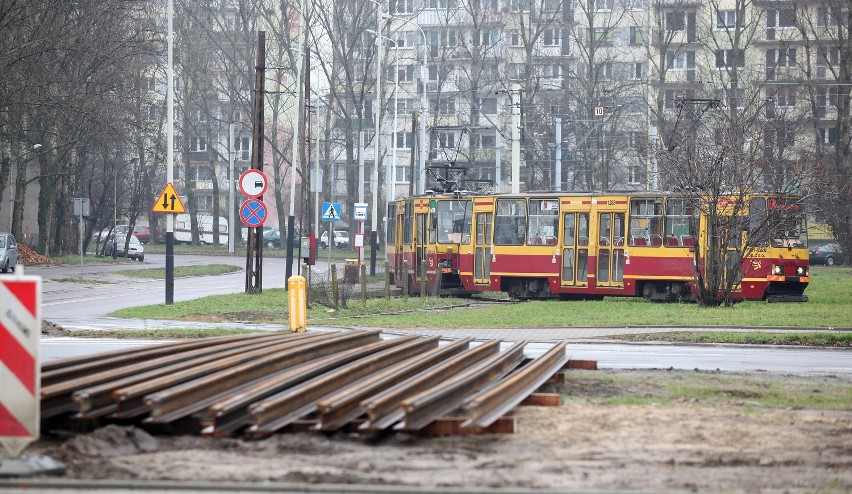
(585, 245)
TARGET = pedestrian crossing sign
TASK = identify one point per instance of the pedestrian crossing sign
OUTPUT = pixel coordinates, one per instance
(331, 211)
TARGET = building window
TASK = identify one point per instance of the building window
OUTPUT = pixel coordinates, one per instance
(782, 97)
(401, 173)
(603, 4)
(602, 36)
(676, 60)
(444, 106)
(783, 57)
(197, 144)
(486, 141)
(551, 37)
(404, 140)
(242, 148)
(204, 202)
(401, 6)
(515, 38)
(551, 70)
(487, 106)
(444, 139)
(638, 70)
(675, 21)
(636, 172)
(443, 4)
(487, 37)
(517, 71)
(727, 19)
(519, 5)
(735, 99)
(730, 58)
(636, 35)
(828, 16)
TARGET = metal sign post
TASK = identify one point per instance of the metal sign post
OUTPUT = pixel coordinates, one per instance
(81, 208)
(330, 213)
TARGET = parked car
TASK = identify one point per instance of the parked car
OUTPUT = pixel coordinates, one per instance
(341, 239)
(8, 252)
(134, 248)
(244, 234)
(143, 233)
(828, 254)
(272, 238)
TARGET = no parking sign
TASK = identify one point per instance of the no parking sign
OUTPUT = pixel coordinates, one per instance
(20, 379)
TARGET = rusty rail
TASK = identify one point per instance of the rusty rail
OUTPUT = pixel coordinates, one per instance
(69, 368)
(383, 409)
(230, 414)
(57, 398)
(97, 401)
(485, 408)
(429, 405)
(141, 398)
(281, 409)
(199, 394)
(341, 408)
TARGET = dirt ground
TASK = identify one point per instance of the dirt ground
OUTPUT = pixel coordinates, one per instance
(618, 430)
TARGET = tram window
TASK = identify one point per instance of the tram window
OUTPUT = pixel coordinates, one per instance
(605, 229)
(510, 224)
(543, 222)
(618, 229)
(391, 228)
(568, 264)
(583, 229)
(453, 221)
(582, 264)
(568, 230)
(407, 223)
(646, 221)
(679, 214)
(757, 222)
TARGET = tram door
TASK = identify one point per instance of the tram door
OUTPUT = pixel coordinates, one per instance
(610, 265)
(482, 248)
(420, 239)
(575, 249)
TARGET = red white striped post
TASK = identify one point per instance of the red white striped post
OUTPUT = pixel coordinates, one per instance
(20, 371)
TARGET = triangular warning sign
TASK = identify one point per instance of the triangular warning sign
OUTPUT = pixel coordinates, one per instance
(169, 201)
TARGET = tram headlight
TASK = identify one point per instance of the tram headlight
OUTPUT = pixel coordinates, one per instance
(802, 271)
(777, 269)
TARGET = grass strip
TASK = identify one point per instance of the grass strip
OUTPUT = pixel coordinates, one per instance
(157, 334)
(812, 338)
(181, 271)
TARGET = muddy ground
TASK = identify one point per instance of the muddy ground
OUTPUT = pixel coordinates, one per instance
(639, 430)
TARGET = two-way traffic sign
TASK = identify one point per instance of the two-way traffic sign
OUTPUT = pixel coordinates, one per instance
(169, 201)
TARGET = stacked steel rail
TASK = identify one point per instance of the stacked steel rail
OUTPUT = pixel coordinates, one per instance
(263, 383)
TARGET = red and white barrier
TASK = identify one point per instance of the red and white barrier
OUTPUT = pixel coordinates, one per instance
(20, 379)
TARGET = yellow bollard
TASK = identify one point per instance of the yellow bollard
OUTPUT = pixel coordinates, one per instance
(297, 294)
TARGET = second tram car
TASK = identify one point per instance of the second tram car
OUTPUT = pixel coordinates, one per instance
(576, 245)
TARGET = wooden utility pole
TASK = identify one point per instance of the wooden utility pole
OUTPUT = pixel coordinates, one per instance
(254, 251)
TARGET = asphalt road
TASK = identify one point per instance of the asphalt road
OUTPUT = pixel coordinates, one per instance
(85, 304)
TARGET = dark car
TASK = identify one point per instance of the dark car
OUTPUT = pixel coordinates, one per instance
(272, 238)
(828, 254)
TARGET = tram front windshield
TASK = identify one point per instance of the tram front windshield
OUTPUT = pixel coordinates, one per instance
(787, 224)
(453, 221)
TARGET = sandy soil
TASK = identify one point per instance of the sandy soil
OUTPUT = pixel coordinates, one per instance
(616, 430)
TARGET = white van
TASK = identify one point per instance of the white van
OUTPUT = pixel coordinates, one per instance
(183, 229)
